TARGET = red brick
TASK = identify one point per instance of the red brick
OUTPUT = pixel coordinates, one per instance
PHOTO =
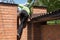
(8, 22)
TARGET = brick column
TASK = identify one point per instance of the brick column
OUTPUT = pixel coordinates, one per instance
(8, 21)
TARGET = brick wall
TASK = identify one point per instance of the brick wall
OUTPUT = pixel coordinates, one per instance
(50, 32)
(45, 32)
(37, 11)
(8, 21)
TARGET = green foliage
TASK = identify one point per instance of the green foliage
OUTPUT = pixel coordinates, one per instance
(29, 1)
(50, 4)
(53, 22)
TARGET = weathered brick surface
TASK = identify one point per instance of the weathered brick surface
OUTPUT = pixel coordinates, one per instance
(38, 12)
(46, 32)
(50, 32)
(8, 22)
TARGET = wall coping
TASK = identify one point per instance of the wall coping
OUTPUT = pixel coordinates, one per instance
(39, 7)
(9, 4)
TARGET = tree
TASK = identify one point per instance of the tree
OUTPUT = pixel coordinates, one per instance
(50, 4)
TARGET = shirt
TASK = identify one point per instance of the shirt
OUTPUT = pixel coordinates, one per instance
(24, 8)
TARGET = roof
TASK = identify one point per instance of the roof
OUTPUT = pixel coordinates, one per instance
(49, 16)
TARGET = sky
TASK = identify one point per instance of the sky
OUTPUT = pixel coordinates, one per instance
(20, 1)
